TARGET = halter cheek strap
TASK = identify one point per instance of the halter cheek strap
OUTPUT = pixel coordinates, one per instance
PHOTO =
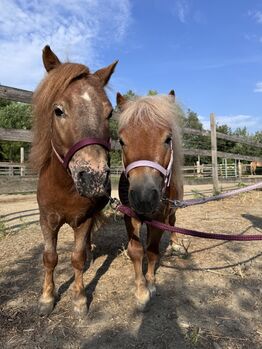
(146, 163)
(79, 145)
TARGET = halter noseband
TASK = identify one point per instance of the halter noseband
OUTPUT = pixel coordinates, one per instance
(79, 145)
(146, 163)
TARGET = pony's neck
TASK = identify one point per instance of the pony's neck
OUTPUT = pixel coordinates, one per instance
(60, 176)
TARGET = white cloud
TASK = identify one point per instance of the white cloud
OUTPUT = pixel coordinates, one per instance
(181, 9)
(257, 15)
(234, 121)
(258, 87)
(76, 30)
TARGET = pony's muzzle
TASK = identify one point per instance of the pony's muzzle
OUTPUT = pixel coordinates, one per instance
(144, 200)
(91, 183)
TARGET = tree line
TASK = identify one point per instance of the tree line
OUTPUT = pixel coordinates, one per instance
(19, 116)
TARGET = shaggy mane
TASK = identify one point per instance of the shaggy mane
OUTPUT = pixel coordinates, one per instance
(56, 81)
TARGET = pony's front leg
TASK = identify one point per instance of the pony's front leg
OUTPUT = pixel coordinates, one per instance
(79, 256)
(136, 253)
(50, 258)
(153, 239)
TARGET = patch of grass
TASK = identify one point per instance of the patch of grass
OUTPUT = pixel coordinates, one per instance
(24, 224)
(197, 194)
(2, 228)
(193, 335)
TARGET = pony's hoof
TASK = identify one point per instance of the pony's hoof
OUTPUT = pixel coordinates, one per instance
(174, 249)
(142, 307)
(143, 299)
(80, 312)
(152, 290)
(80, 308)
(46, 308)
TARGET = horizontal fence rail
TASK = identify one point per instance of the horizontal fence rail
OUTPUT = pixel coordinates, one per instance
(15, 94)
(16, 169)
(27, 136)
(197, 171)
(25, 96)
(9, 134)
(233, 138)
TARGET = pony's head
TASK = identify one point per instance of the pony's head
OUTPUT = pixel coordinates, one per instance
(148, 134)
(71, 105)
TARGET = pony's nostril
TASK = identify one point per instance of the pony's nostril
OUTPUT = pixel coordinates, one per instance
(154, 195)
(82, 176)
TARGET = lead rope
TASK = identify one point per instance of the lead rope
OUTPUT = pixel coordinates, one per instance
(192, 202)
(117, 206)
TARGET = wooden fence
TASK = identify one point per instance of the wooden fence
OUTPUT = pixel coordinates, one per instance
(24, 96)
(203, 171)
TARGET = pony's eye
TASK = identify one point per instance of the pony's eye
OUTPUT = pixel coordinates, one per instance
(59, 112)
(121, 142)
(168, 140)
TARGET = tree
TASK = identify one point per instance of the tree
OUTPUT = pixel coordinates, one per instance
(152, 93)
(192, 121)
(18, 116)
(223, 144)
(191, 141)
(113, 127)
(4, 102)
(258, 137)
(241, 148)
(130, 94)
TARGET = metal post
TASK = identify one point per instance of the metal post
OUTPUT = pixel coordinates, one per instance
(22, 161)
(226, 167)
(214, 153)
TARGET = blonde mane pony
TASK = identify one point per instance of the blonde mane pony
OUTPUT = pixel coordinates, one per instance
(160, 111)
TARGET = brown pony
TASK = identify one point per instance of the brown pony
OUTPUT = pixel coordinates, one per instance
(149, 136)
(70, 152)
(254, 165)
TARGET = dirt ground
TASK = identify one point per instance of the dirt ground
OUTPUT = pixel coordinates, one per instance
(209, 297)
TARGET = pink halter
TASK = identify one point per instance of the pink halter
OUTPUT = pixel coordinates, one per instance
(79, 145)
(146, 163)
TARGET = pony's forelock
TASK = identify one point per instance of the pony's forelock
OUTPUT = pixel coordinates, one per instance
(159, 110)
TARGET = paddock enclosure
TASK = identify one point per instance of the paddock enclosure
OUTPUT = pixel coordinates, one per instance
(207, 297)
(208, 294)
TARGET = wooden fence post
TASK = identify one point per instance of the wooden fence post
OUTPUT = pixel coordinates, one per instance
(214, 153)
(239, 169)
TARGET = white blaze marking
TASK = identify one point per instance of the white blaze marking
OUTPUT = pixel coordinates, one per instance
(86, 97)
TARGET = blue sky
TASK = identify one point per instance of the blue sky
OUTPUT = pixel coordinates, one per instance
(210, 52)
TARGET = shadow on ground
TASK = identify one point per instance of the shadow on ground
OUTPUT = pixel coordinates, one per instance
(209, 299)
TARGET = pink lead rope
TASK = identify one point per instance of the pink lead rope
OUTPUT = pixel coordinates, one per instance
(162, 226)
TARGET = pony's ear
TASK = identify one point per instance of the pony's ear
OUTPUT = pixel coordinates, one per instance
(104, 74)
(120, 100)
(172, 93)
(50, 60)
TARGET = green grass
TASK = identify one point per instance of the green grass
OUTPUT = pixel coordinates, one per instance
(2, 228)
